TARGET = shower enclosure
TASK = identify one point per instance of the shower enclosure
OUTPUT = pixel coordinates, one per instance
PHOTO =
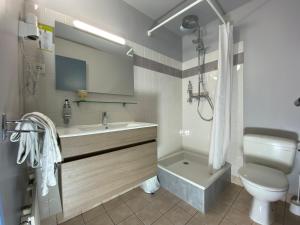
(193, 177)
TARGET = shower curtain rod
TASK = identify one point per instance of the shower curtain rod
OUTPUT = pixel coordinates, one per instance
(165, 18)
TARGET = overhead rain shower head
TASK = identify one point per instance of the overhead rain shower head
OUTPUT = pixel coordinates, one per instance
(189, 23)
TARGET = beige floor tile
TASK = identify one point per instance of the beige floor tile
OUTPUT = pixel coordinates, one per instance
(243, 203)
(196, 221)
(178, 216)
(162, 221)
(210, 218)
(226, 222)
(136, 192)
(148, 215)
(160, 191)
(163, 203)
(93, 213)
(78, 220)
(102, 219)
(119, 213)
(149, 209)
(187, 207)
(279, 212)
(220, 208)
(137, 204)
(245, 194)
(171, 197)
(290, 218)
(132, 220)
(238, 217)
(230, 194)
(114, 203)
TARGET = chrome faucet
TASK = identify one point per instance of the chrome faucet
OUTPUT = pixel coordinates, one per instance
(105, 120)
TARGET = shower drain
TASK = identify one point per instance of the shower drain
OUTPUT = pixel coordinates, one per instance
(186, 163)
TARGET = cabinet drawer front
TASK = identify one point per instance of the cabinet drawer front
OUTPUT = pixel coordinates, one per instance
(74, 146)
(90, 181)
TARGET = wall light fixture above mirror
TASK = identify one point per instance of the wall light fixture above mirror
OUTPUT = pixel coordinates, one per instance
(96, 31)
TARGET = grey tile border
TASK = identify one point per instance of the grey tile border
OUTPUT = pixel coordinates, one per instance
(208, 67)
(211, 66)
(162, 68)
(156, 66)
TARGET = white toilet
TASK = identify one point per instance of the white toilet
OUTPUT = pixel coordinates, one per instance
(267, 161)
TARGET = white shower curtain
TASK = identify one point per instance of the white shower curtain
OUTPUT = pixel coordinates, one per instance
(221, 126)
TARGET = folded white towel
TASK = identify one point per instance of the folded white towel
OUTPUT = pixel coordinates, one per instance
(46, 156)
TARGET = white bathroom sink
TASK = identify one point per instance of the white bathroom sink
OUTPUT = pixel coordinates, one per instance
(100, 128)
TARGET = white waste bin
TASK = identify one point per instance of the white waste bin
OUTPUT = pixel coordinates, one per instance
(151, 185)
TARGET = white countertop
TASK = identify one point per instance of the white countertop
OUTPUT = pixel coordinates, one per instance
(80, 130)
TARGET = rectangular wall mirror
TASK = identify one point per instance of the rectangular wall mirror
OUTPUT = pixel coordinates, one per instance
(88, 62)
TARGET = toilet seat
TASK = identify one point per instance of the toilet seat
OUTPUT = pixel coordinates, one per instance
(264, 177)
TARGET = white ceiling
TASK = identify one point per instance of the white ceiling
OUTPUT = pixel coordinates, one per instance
(157, 8)
(153, 8)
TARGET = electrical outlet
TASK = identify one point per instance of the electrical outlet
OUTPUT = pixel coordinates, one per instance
(40, 68)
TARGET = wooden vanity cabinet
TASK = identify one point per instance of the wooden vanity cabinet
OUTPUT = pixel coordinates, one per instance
(100, 166)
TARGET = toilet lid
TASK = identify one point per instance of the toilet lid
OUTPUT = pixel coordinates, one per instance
(264, 177)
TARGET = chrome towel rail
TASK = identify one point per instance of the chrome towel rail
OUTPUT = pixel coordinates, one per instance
(6, 128)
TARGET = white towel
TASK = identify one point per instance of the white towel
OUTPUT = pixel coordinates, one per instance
(46, 156)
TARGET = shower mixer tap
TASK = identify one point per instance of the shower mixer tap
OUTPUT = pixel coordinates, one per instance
(197, 96)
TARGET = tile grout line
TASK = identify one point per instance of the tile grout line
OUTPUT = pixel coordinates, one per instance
(106, 212)
(192, 216)
(131, 211)
(176, 204)
(162, 214)
(284, 213)
(230, 207)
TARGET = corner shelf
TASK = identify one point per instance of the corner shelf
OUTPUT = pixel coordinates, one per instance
(105, 102)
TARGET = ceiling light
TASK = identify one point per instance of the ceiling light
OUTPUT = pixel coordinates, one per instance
(96, 31)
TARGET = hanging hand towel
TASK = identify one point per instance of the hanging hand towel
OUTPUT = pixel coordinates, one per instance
(45, 156)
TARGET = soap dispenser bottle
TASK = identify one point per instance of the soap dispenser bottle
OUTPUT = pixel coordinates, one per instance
(67, 111)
